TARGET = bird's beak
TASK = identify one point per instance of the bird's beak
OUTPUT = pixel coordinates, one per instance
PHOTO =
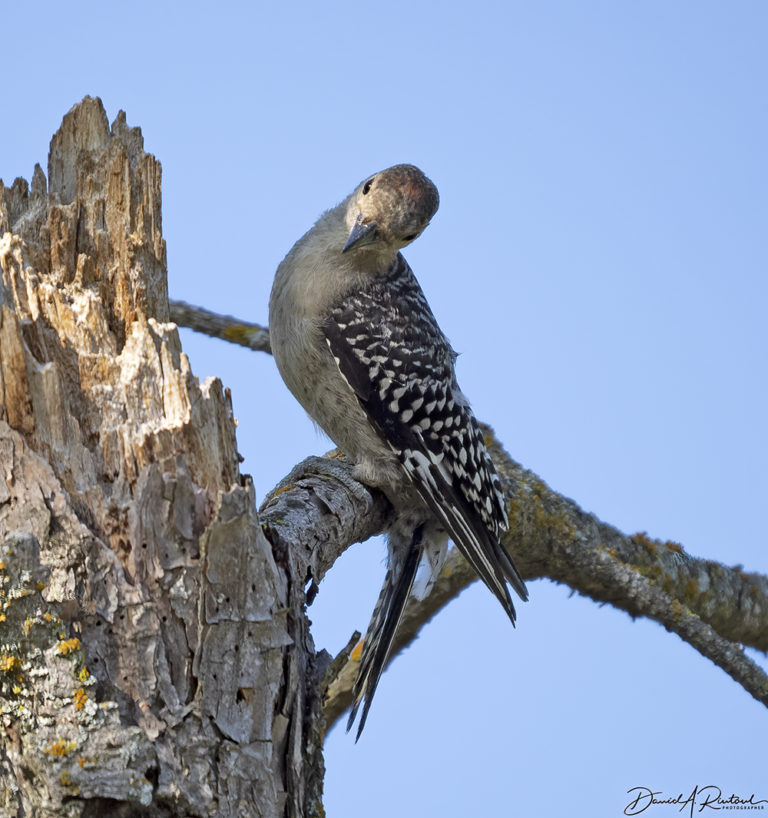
(361, 234)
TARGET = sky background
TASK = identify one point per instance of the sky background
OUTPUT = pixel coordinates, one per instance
(599, 260)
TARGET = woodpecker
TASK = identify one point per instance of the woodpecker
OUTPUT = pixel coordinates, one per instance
(358, 346)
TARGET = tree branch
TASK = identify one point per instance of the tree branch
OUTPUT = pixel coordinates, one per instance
(716, 609)
(220, 326)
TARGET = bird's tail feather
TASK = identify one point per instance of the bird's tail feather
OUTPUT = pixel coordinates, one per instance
(382, 628)
(480, 548)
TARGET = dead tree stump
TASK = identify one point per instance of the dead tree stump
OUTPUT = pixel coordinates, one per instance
(155, 656)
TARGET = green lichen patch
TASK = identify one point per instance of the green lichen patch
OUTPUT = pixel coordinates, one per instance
(644, 541)
(60, 747)
(35, 645)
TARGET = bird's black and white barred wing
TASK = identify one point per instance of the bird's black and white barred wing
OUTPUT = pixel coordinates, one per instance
(392, 353)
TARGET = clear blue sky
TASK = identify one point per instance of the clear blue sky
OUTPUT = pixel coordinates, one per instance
(600, 261)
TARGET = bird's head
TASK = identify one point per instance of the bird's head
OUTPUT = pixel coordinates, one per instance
(390, 209)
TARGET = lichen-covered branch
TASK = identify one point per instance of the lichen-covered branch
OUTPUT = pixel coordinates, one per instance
(715, 608)
(225, 327)
(549, 536)
(556, 529)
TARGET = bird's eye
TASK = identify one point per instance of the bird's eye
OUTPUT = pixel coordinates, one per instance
(367, 187)
(411, 237)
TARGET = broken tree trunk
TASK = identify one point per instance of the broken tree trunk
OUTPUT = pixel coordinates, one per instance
(155, 655)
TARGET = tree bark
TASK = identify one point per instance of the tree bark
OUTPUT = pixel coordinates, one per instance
(155, 657)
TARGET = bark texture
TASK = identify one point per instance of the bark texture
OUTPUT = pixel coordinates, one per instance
(154, 653)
